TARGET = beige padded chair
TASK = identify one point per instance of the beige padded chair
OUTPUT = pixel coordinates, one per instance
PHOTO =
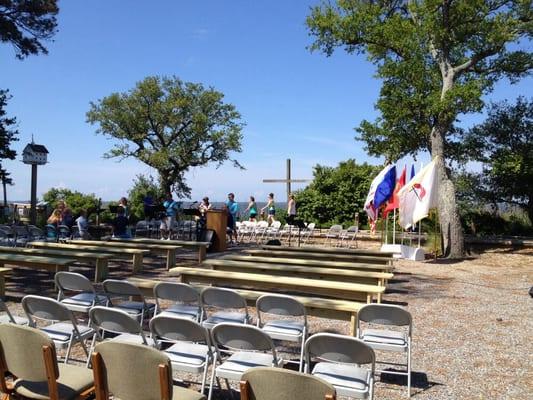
(29, 355)
(131, 371)
(264, 383)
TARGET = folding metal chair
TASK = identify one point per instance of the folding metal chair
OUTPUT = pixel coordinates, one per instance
(63, 328)
(185, 299)
(220, 298)
(119, 293)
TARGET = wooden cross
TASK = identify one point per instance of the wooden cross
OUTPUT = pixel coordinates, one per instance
(288, 181)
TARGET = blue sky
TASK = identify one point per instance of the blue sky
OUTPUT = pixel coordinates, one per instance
(296, 104)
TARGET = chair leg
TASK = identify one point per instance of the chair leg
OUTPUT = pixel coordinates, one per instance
(409, 369)
(212, 382)
(300, 369)
(69, 349)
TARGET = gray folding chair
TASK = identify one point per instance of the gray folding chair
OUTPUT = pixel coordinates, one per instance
(118, 323)
(190, 349)
(85, 297)
(349, 236)
(134, 372)
(29, 355)
(249, 347)
(185, 299)
(220, 298)
(341, 359)
(388, 340)
(22, 235)
(265, 383)
(10, 318)
(119, 293)
(62, 328)
(285, 329)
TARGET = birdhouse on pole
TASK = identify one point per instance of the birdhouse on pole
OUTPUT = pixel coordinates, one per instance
(34, 155)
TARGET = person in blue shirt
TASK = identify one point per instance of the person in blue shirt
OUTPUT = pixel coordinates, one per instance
(168, 221)
(233, 209)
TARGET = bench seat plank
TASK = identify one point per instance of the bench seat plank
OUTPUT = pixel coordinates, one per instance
(328, 250)
(321, 256)
(311, 263)
(201, 246)
(339, 290)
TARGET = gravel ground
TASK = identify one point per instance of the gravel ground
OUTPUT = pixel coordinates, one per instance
(473, 322)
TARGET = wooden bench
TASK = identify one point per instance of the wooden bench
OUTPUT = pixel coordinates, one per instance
(3, 272)
(201, 246)
(136, 255)
(311, 263)
(333, 289)
(100, 261)
(343, 275)
(169, 251)
(53, 264)
(343, 310)
(321, 256)
(329, 250)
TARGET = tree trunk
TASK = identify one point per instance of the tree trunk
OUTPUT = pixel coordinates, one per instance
(5, 192)
(452, 232)
(166, 182)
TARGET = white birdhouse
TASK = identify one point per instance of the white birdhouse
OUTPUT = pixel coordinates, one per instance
(34, 154)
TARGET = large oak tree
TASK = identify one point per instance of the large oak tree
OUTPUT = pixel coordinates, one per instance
(436, 59)
(171, 126)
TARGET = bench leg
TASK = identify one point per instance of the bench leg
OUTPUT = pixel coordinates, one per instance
(353, 323)
(137, 263)
(2, 285)
(368, 298)
(101, 270)
(201, 254)
(171, 259)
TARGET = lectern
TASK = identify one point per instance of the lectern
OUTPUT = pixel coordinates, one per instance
(217, 220)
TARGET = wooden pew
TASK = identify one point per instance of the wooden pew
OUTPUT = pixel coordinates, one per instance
(339, 290)
(136, 255)
(3, 272)
(53, 264)
(311, 263)
(100, 261)
(169, 251)
(320, 256)
(343, 275)
(344, 310)
(200, 246)
(329, 250)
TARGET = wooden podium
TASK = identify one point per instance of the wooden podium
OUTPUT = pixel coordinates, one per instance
(217, 220)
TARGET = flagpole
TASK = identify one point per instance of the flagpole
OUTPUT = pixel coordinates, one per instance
(394, 227)
(387, 229)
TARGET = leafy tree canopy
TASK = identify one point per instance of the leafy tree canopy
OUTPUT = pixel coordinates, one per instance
(8, 129)
(142, 186)
(26, 24)
(171, 126)
(436, 58)
(504, 146)
(75, 200)
(336, 194)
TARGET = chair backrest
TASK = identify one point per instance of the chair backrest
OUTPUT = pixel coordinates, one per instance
(46, 309)
(385, 314)
(178, 329)
(276, 224)
(73, 281)
(338, 349)
(35, 232)
(22, 348)
(177, 292)
(131, 371)
(242, 337)
(279, 305)
(21, 231)
(311, 226)
(113, 320)
(114, 287)
(221, 297)
(64, 231)
(50, 231)
(266, 383)
(353, 229)
(335, 228)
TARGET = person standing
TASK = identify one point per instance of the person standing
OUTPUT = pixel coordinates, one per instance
(120, 225)
(252, 209)
(271, 209)
(123, 202)
(291, 209)
(83, 225)
(167, 223)
(148, 206)
(233, 209)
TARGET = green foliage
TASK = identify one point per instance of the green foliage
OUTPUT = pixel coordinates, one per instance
(8, 129)
(336, 194)
(142, 186)
(26, 24)
(76, 201)
(436, 59)
(171, 126)
(504, 146)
